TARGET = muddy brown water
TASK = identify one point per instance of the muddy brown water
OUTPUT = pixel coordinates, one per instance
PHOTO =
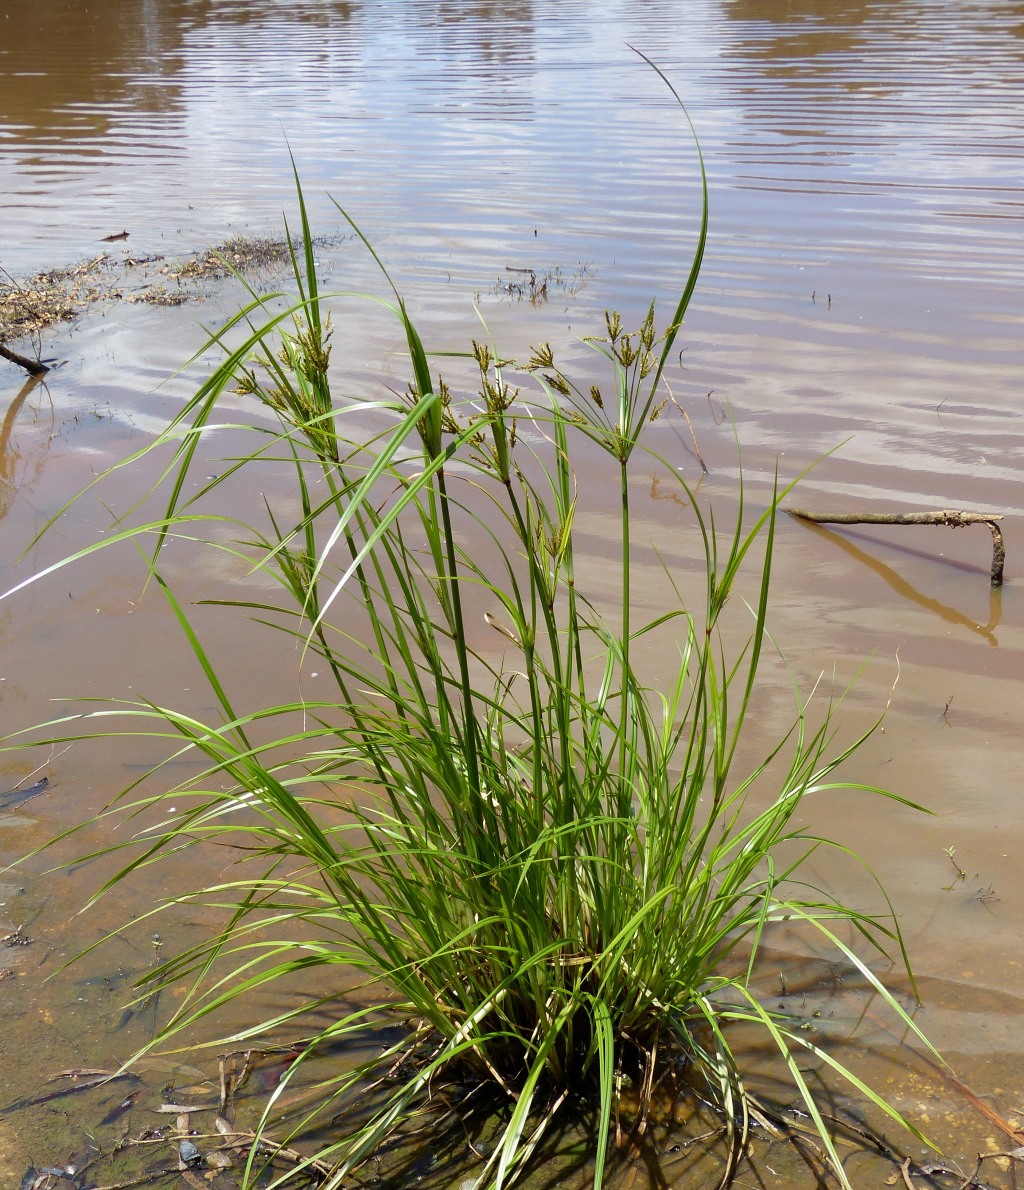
(863, 289)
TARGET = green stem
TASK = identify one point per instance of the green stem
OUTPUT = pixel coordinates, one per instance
(626, 594)
(450, 580)
(530, 645)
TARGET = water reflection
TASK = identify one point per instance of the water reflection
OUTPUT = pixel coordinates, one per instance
(17, 470)
(798, 29)
(785, 36)
(888, 85)
(906, 590)
(68, 65)
(171, 119)
(113, 55)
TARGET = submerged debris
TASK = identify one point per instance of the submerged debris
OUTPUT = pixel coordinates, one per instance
(537, 286)
(46, 299)
(188, 1153)
(242, 254)
(49, 1177)
(17, 797)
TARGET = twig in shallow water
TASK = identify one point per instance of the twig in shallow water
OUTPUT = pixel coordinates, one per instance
(971, 1181)
(34, 367)
(952, 517)
(144, 1180)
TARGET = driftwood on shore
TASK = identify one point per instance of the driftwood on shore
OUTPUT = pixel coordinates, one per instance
(951, 517)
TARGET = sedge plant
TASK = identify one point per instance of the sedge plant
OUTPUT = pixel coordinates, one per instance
(542, 861)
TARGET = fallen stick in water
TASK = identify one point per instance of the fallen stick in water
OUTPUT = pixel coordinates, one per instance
(954, 518)
(33, 366)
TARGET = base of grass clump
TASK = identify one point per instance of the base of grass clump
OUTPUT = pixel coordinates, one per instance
(544, 864)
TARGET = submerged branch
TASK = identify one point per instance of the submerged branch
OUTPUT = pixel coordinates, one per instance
(954, 518)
